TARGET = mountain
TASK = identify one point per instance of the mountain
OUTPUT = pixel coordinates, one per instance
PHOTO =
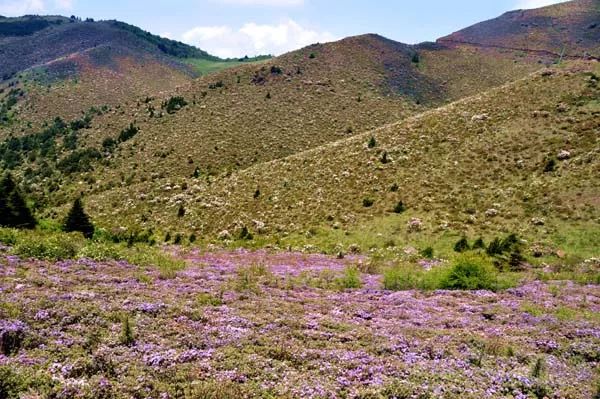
(515, 158)
(570, 29)
(66, 65)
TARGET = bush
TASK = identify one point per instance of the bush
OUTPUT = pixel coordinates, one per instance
(399, 208)
(427, 253)
(470, 273)
(550, 166)
(478, 244)
(368, 202)
(495, 247)
(127, 134)
(167, 265)
(8, 237)
(372, 142)
(384, 158)
(462, 245)
(54, 247)
(126, 337)
(245, 234)
(174, 104)
(79, 161)
(408, 277)
(207, 299)
(11, 384)
(12, 335)
(350, 279)
(100, 251)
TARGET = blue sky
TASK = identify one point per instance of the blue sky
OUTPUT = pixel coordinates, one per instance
(233, 28)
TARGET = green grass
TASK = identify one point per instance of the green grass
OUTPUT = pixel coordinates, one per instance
(466, 272)
(205, 67)
(53, 246)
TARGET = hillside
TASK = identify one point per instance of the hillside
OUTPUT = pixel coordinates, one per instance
(571, 29)
(475, 165)
(65, 65)
(243, 116)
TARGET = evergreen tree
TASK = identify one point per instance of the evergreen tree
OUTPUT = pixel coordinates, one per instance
(13, 209)
(78, 220)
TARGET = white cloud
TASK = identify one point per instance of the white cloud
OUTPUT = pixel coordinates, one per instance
(64, 4)
(271, 3)
(254, 39)
(528, 4)
(13, 8)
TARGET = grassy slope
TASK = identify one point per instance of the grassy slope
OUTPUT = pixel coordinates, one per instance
(205, 66)
(97, 63)
(450, 171)
(349, 87)
(570, 27)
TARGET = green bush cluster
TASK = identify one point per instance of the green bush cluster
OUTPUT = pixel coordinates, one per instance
(350, 279)
(56, 246)
(466, 272)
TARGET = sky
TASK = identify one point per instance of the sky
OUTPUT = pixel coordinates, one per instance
(234, 28)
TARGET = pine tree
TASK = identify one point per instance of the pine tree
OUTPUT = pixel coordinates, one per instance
(13, 208)
(78, 220)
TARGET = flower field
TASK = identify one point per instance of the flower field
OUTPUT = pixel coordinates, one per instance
(284, 325)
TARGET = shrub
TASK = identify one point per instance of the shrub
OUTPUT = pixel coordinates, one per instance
(550, 166)
(462, 245)
(404, 277)
(174, 104)
(53, 247)
(516, 260)
(368, 202)
(495, 247)
(8, 237)
(384, 158)
(177, 239)
(126, 337)
(109, 143)
(538, 368)
(372, 142)
(11, 384)
(12, 334)
(350, 279)
(249, 278)
(478, 244)
(245, 234)
(79, 161)
(181, 211)
(470, 273)
(127, 134)
(78, 220)
(207, 299)
(167, 265)
(427, 253)
(100, 251)
(399, 208)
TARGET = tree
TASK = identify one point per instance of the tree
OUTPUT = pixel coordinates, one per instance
(13, 209)
(78, 220)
